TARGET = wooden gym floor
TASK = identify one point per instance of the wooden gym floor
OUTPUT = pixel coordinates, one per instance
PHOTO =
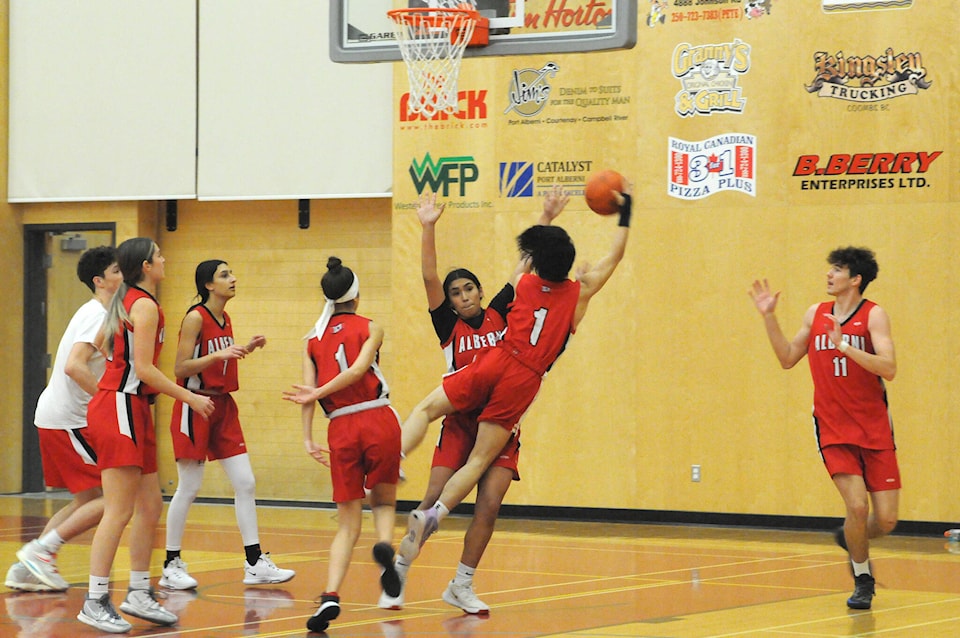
(540, 578)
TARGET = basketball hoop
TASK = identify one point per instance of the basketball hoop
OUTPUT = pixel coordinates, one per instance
(432, 42)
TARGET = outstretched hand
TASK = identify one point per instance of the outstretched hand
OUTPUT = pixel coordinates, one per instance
(428, 212)
(554, 202)
(763, 298)
(256, 341)
(303, 394)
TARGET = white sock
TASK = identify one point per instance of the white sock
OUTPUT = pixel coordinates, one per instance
(139, 580)
(51, 541)
(442, 511)
(860, 568)
(464, 574)
(98, 586)
(401, 566)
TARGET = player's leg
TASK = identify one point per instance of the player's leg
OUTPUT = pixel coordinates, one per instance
(491, 489)
(422, 523)
(491, 438)
(259, 568)
(189, 479)
(853, 490)
(141, 600)
(349, 518)
(435, 405)
(883, 518)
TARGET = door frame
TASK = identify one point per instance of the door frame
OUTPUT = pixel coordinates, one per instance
(35, 353)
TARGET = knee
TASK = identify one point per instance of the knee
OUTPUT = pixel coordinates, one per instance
(186, 492)
(886, 523)
(486, 514)
(858, 510)
(151, 506)
(245, 486)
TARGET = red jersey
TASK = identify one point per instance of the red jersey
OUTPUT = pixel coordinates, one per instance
(121, 373)
(335, 352)
(461, 339)
(849, 403)
(220, 377)
(541, 320)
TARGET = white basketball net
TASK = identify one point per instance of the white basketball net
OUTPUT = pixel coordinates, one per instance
(432, 43)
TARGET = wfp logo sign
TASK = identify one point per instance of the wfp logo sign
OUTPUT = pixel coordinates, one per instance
(440, 174)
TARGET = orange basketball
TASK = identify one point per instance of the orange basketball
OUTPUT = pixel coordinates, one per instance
(601, 190)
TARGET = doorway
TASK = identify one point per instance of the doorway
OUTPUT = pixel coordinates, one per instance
(51, 294)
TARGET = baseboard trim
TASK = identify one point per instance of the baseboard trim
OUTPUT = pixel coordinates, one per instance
(657, 517)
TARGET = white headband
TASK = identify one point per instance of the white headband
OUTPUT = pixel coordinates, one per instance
(328, 307)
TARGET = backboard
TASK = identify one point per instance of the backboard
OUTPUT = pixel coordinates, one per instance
(360, 30)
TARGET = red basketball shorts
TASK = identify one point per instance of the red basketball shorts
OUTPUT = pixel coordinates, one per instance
(878, 468)
(458, 434)
(497, 384)
(218, 437)
(364, 451)
(120, 429)
(68, 459)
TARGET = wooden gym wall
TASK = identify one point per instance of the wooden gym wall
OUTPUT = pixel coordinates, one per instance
(672, 367)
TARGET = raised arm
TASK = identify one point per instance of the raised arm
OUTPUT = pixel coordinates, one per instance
(592, 279)
(554, 202)
(788, 352)
(428, 212)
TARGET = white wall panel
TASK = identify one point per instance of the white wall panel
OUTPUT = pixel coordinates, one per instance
(102, 100)
(279, 119)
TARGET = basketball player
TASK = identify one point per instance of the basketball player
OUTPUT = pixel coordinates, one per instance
(207, 364)
(121, 431)
(464, 327)
(503, 381)
(61, 419)
(850, 350)
(341, 370)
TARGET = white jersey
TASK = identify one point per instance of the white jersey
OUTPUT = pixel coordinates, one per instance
(63, 404)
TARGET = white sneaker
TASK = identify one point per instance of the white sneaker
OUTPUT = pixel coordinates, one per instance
(420, 525)
(19, 577)
(394, 603)
(462, 596)
(265, 572)
(175, 576)
(143, 603)
(99, 613)
(42, 564)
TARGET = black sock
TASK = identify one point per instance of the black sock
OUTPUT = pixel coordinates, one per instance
(253, 553)
(171, 554)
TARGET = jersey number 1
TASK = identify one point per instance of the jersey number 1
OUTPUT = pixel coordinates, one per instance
(539, 316)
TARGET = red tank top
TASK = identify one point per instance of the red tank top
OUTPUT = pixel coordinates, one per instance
(849, 403)
(540, 320)
(219, 377)
(121, 373)
(335, 352)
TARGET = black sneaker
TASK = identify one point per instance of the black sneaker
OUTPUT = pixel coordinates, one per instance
(389, 578)
(328, 610)
(840, 538)
(863, 592)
